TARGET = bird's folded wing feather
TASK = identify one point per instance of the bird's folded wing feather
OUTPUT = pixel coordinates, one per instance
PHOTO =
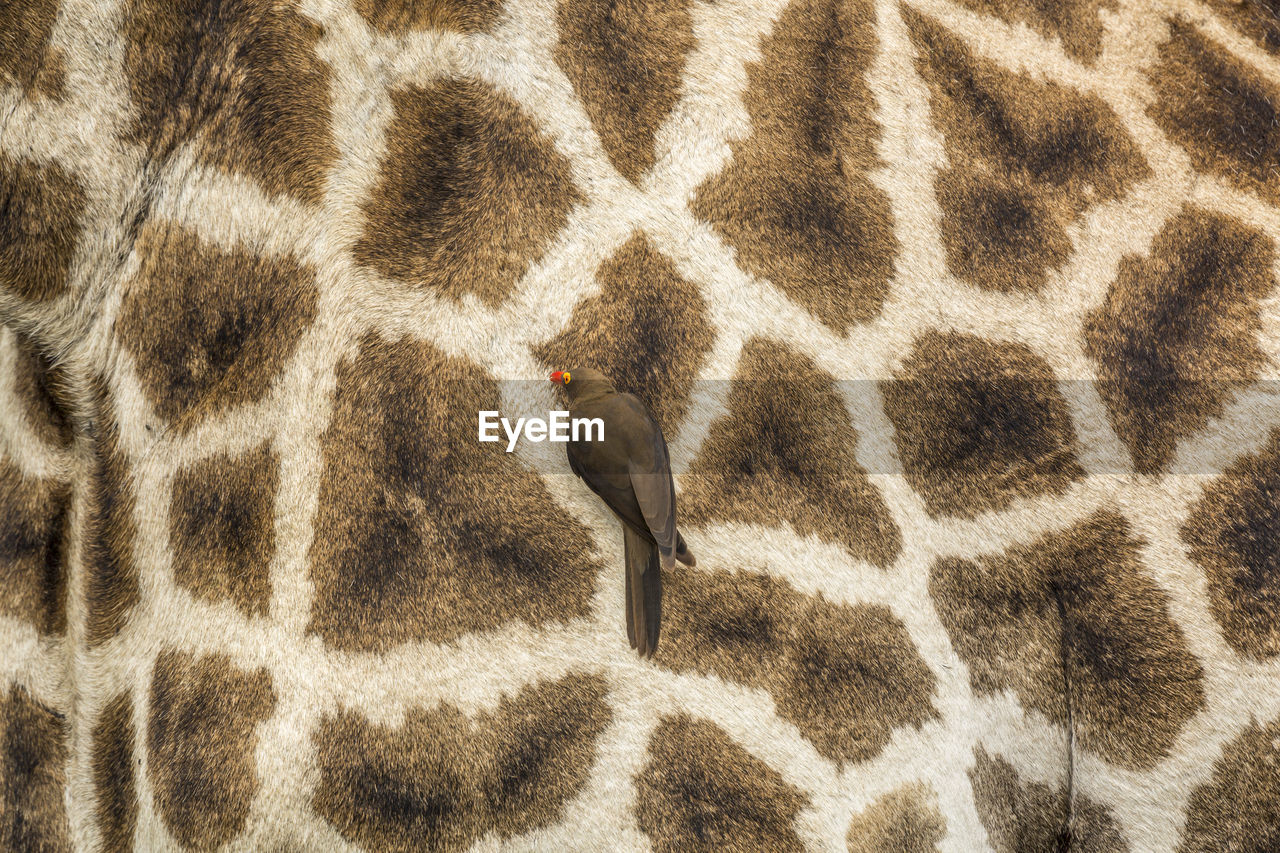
(656, 496)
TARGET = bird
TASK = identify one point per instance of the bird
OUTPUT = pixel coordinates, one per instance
(629, 469)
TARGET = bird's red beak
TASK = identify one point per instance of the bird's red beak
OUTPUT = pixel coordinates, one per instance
(557, 376)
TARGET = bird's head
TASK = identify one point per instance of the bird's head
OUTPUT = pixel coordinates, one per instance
(577, 380)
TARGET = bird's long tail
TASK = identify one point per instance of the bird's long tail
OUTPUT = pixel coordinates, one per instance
(644, 592)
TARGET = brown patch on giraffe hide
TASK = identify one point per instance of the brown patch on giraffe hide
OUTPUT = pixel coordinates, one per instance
(701, 791)
(1074, 22)
(43, 205)
(647, 330)
(1239, 807)
(1256, 19)
(1023, 816)
(784, 453)
(211, 329)
(33, 572)
(422, 533)
(201, 741)
(796, 201)
(905, 820)
(1078, 599)
(116, 811)
(853, 676)
(222, 528)
(735, 625)
(1177, 333)
(441, 781)
(398, 790)
(397, 17)
(470, 192)
(543, 748)
(1027, 157)
(111, 575)
(239, 77)
(1223, 112)
(979, 424)
(624, 60)
(1233, 532)
(845, 676)
(26, 57)
(33, 816)
(1000, 234)
(40, 385)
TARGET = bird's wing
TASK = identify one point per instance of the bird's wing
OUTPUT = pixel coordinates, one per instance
(631, 556)
(655, 493)
(650, 473)
(644, 592)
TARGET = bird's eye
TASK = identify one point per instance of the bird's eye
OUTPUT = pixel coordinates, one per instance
(566, 377)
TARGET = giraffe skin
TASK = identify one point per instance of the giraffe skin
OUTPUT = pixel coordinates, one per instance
(961, 318)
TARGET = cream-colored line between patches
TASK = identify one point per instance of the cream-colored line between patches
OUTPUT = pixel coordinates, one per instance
(1242, 48)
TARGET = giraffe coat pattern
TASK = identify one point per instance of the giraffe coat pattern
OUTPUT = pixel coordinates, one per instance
(961, 319)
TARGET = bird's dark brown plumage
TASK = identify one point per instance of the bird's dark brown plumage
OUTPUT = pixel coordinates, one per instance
(630, 470)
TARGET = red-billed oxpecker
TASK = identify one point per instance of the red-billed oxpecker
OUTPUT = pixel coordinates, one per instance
(630, 471)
